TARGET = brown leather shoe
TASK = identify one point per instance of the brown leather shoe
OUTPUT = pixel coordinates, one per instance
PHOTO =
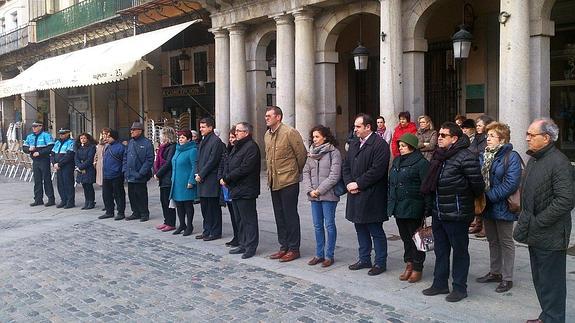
(415, 276)
(289, 256)
(327, 262)
(407, 272)
(314, 261)
(278, 254)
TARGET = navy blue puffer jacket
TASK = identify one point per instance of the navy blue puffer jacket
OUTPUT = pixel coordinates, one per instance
(503, 181)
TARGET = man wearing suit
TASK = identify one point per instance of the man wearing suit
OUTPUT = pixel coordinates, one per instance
(209, 158)
(365, 175)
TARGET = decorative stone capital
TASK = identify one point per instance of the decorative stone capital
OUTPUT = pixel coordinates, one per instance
(237, 29)
(326, 57)
(283, 19)
(414, 45)
(542, 27)
(219, 32)
(305, 13)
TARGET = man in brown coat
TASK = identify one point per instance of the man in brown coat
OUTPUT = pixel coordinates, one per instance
(285, 159)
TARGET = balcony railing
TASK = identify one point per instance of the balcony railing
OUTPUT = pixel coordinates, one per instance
(77, 16)
(13, 40)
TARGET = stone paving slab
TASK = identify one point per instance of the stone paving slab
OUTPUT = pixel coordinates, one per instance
(91, 271)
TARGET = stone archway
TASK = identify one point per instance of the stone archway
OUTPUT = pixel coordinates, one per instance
(257, 43)
(328, 28)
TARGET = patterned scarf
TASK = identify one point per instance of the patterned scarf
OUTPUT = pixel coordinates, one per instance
(488, 158)
(315, 152)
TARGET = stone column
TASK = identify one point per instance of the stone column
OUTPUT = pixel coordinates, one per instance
(326, 93)
(391, 71)
(222, 59)
(29, 104)
(540, 62)
(285, 75)
(238, 77)
(414, 80)
(514, 84)
(305, 71)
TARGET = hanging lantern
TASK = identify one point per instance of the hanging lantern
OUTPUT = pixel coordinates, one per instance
(184, 61)
(360, 57)
(461, 43)
(272, 65)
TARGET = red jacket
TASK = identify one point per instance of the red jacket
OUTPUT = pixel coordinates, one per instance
(400, 131)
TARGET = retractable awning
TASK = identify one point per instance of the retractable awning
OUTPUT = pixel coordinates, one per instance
(109, 62)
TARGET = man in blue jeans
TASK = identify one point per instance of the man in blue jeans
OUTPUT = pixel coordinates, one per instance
(365, 176)
(454, 178)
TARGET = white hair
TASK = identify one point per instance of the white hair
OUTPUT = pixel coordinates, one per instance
(549, 127)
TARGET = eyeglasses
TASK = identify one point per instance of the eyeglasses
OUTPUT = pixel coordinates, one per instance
(531, 135)
(443, 135)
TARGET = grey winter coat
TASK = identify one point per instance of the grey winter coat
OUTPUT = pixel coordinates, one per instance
(322, 175)
(547, 199)
(430, 137)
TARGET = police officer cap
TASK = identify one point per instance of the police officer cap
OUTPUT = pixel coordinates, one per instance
(63, 131)
(37, 123)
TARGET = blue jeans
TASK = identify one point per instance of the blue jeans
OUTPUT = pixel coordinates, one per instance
(323, 212)
(366, 232)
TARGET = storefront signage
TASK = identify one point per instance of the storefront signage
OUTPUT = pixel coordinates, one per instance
(183, 91)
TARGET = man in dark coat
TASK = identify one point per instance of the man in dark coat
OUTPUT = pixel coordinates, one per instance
(547, 199)
(365, 175)
(137, 168)
(209, 158)
(242, 175)
(63, 161)
(454, 178)
(113, 177)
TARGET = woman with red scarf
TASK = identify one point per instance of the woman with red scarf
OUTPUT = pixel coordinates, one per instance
(405, 126)
(163, 174)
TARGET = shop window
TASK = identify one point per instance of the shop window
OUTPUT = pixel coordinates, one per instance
(175, 72)
(200, 67)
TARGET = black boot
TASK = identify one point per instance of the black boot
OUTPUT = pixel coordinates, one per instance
(51, 201)
(85, 205)
(181, 228)
(90, 205)
(189, 226)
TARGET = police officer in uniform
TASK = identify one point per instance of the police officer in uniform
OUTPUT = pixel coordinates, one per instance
(63, 160)
(39, 145)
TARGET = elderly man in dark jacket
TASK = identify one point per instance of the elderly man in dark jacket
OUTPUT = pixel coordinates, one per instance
(365, 175)
(242, 175)
(138, 162)
(209, 158)
(113, 177)
(547, 199)
(454, 178)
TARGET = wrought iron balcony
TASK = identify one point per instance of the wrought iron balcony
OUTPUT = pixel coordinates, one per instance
(78, 16)
(14, 39)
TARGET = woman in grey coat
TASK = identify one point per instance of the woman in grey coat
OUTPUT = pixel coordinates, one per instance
(321, 172)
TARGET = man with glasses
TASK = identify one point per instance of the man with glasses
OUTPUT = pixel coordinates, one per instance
(39, 145)
(545, 220)
(137, 169)
(454, 178)
(242, 176)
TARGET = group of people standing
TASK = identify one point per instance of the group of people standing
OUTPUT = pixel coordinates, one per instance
(434, 173)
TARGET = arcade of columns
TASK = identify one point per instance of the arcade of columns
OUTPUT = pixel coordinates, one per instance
(306, 58)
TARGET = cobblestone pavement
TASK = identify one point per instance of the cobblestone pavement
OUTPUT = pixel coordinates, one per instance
(66, 266)
(90, 271)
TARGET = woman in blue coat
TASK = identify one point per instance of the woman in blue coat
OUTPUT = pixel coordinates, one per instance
(184, 188)
(501, 170)
(85, 170)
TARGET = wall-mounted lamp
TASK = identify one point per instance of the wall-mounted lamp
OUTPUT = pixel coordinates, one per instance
(184, 61)
(272, 65)
(383, 35)
(503, 17)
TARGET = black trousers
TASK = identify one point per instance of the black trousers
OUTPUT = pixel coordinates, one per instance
(234, 219)
(113, 190)
(407, 228)
(185, 211)
(89, 194)
(169, 214)
(284, 203)
(65, 184)
(138, 195)
(548, 268)
(448, 235)
(42, 179)
(212, 213)
(247, 216)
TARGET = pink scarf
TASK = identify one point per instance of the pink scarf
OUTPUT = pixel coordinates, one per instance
(160, 161)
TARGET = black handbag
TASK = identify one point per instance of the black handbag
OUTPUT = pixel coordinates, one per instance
(339, 189)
